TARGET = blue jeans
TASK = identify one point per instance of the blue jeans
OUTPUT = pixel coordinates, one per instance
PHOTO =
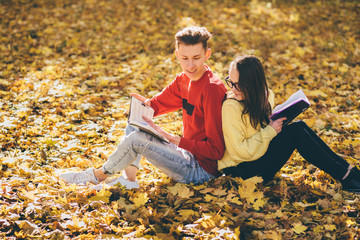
(175, 162)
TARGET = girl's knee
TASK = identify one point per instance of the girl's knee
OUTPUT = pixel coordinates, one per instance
(298, 124)
(289, 132)
(298, 128)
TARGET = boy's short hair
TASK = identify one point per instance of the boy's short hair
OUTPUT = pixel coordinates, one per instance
(193, 35)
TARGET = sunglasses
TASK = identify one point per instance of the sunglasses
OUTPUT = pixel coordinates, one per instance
(231, 84)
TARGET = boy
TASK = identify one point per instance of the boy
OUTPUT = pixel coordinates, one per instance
(188, 159)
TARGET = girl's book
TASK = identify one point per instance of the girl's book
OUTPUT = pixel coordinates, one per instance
(291, 108)
(138, 109)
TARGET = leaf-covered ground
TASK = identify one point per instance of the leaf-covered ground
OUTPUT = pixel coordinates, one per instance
(67, 68)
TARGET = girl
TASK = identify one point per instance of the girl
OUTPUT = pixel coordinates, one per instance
(257, 146)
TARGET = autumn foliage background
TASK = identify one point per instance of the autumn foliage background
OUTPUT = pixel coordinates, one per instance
(66, 71)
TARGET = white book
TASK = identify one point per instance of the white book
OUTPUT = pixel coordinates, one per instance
(138, 109)
(291, 108)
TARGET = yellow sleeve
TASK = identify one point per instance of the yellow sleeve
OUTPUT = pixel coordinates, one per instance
(243, 142)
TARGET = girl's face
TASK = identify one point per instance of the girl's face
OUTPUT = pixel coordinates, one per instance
(234, 78)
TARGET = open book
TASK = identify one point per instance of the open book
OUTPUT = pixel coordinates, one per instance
(291, 108)
(139, 109)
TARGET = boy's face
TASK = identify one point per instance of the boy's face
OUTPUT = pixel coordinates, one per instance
(192, 59)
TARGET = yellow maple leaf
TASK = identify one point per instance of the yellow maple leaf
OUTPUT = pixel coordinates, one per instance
(329, 227)
(299, 228)
(181, 190)
(274, 235)
(318, 229)
(316, 214)
(234, 199)
(102, 195)
(259, 203)
(210, 198)
(317, 93)
(186, 214)
(140, 200)
(103, 82)
(278, 213)
(27, 195)
(248, 191)
(27, 226)
(220, 192)
(349, 222)
(299, 51)
(237, 233)
(344, 68)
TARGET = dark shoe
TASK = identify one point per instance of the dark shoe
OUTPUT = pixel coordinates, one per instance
(352, 182)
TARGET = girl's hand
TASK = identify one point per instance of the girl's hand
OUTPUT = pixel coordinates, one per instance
(168, 136)
(141, 98)
(277, 124)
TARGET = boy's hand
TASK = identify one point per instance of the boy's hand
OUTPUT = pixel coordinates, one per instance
(168, 136)
(141, 98)
(277, 124)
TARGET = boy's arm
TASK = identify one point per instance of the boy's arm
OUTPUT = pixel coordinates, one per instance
(213, 146)
(168, 100)
(172, 138)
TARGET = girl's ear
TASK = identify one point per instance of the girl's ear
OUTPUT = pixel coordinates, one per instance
(177, 54)
(207, 54)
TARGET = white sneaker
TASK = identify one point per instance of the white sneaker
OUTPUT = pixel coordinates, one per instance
(83, 177)
(124, 182)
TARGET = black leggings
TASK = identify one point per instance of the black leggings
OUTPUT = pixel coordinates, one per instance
(294, 136)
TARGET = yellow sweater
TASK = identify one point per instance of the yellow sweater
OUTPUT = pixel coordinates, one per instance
(243, 142)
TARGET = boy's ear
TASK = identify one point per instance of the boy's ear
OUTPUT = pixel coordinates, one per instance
(177, 54)
(207, 54)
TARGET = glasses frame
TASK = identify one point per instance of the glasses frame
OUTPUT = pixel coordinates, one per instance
(231, 84)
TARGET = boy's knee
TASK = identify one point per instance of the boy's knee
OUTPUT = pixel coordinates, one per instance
(134, 136)
(129, 129)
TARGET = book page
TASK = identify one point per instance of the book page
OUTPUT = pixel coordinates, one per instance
(139, 109)
(296, 97)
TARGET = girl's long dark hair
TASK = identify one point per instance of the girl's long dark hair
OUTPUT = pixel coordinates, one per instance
(253, 85)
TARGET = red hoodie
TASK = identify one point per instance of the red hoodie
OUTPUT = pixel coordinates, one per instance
(201, 102)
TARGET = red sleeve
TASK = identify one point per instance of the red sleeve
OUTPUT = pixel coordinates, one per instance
(168, 100)
(213, 146)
